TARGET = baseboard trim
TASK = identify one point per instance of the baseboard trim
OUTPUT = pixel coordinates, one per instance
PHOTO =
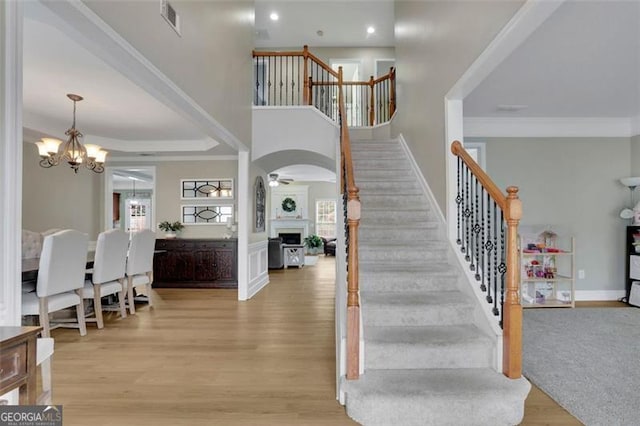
(597, 295)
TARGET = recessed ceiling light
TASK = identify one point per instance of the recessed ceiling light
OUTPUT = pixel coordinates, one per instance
(371, 30)
(320, 33)
(274, 16)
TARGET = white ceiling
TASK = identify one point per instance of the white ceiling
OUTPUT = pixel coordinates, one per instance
(305, 172)
(343, 23)
(115, 112)
(583, 61)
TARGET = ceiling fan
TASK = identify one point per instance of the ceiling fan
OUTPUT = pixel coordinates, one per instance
(274, 181)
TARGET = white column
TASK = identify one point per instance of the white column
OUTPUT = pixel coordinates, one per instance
(10, 168)
(10, 161)
(453, 131)
(244, 203)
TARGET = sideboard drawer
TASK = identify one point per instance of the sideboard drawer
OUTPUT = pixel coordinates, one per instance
(13, 364)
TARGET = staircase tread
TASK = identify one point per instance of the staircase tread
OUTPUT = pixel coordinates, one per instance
(433, 335)
(414, 298)
(402, 226)
(434, 268)
(442, 382)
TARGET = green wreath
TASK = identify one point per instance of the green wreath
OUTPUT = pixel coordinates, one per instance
(288, 205)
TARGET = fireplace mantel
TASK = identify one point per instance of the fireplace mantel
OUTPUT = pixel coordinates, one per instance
(289, 224)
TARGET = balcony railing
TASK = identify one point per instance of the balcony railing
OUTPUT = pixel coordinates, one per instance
(299, 78)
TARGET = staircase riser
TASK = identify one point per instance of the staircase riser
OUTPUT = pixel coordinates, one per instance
(387, 188)
(382, 174)
(378, 155)
(376, 410)
(385, 356)
(405, 217)
(381, 163)
(415, 316)
(393, 202)
(379, 255)
(405, 282)
(382, 236)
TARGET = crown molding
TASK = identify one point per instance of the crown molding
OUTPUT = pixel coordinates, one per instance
(550, 126)
(163, 158)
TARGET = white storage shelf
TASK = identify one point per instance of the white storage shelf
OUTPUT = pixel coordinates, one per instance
(548, 278)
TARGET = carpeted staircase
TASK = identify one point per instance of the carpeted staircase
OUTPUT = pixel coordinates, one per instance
(426, 362)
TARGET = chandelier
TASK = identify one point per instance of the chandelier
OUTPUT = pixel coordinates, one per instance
(73, 151)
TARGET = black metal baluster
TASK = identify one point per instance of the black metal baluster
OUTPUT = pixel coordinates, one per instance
(473, 247)
(463, 248)
(467, 215)
(481, 252)
(477, 229)
(495, 259)
(486, 286)
(459, 200)
(503, 266)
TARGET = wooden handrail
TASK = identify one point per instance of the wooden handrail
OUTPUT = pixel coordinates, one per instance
(458, 150)
(511, 207)
(353, 222)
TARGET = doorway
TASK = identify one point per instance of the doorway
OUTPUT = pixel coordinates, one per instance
(130, 198)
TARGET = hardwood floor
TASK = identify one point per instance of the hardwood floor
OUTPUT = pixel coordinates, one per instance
(200, 357)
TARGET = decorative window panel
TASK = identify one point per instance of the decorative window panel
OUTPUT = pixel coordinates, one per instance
(192, 189)
(207, 215)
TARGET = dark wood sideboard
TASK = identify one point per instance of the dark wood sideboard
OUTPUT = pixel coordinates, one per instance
(196, 263)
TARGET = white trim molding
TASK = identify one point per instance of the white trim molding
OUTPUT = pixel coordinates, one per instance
(583, 295)
(546, 127)
(258, 267)
(245, 195)
(10, 162)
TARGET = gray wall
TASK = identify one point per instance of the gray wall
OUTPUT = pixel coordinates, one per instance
(59, 198)
(436, 42)
(168, 202)
(366, 54)
(572, 183)
(635, 156)
(211, 61)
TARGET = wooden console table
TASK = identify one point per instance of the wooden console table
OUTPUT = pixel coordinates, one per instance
(18, 362)
(196, 263)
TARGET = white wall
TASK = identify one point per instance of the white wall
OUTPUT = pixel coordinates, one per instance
(210, 61)
(436, 42)
(293, 128)
(572, 183)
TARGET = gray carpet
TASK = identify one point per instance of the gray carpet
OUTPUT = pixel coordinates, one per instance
(586, 359)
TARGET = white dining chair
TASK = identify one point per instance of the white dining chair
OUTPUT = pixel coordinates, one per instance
(60, 279)
(108, 273)
(140, 265)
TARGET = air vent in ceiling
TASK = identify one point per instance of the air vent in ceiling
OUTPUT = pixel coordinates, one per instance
(170, 15)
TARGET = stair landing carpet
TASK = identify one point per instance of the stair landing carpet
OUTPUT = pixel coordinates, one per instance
(426, 362)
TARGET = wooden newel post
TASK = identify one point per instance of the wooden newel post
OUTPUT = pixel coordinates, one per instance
(392, 94)
(512, 309)
(372, 110)
(353, 300)
(306, 91)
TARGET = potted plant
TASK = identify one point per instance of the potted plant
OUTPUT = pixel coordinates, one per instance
(170, 229)
(313, 243)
